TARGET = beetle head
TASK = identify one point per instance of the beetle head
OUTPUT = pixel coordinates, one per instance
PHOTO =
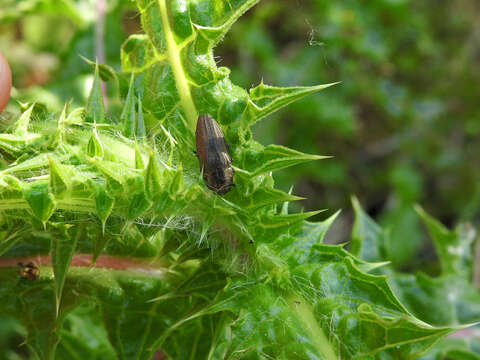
(219, 180)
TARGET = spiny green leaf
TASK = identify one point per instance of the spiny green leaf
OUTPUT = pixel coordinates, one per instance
(41, 201)
(138, 54)
(284, 210)
(114, 171)
(445, 301)
(58, 182)
(138, 205)
(21, 126)
(84, 336)
(455, 348)
(177, 184)
(33, 303)
(270, 226)
(298, 247)
(276, 157)
(255, 331)
(268, 99)
(129, 114)
(106, 72)
(368, 239)
(342, 291)
(62, 249)
(321, 253)
(9, 239)
(285, 220)
(153, 177)
(332, 299)
(138, 198)
(10, 187)
(140, 130)
(266, 196)
(182, 60)
(122, 299)
(11, 144)
(76, 116)
(61, 127)
(95, 109)
(150, 320)
(206, 225)
(454, 248)
(34, 163)
(212, 22)
(103, 202)
(94, 146)
(139, 164)
(164, 40)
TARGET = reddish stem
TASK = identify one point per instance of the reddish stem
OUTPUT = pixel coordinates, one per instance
(85, 260)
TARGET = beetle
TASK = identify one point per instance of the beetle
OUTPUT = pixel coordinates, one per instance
(29, 271)
(213, 155)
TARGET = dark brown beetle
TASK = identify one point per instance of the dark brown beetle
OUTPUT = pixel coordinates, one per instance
(29, 271)
(212, 152)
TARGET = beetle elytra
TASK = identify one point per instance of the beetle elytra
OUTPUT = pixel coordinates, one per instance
(213, 155)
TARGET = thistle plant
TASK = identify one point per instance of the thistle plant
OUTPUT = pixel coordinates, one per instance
(137, 256)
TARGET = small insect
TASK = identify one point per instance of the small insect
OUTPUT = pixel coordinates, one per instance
(213, 155)
(29, 271)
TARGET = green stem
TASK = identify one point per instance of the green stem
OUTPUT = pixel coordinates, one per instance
(177, 68)
(305, 315)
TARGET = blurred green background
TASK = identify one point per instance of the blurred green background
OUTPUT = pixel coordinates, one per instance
(402, 125)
